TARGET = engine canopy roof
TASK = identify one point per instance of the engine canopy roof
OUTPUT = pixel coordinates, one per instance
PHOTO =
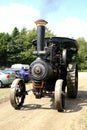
(61, 42)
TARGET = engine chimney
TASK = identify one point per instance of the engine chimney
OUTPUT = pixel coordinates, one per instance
(40, 34)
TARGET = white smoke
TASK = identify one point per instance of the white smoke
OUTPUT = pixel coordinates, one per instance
(49, 6)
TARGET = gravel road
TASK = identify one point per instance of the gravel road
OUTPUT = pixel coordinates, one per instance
(40, 114)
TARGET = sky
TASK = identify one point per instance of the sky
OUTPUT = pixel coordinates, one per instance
(66, 18)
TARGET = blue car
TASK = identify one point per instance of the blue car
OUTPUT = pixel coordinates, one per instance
(24, 74)
(22, 70)
(21, 73)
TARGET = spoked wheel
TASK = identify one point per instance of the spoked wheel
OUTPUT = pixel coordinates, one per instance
(17, 93)
(59, 95)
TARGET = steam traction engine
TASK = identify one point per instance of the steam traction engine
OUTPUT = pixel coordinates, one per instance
(53, 70)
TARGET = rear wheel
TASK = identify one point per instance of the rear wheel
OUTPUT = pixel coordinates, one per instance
(17, 93)
(72, 81)
(59, 95)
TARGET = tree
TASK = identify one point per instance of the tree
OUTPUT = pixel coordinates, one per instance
(82, 54)
(15, 32)
(4, 40)
(26, 55)
(48, 33)
(23, 31)
(17, 47)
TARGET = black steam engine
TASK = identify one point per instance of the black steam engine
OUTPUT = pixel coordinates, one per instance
(53, 70)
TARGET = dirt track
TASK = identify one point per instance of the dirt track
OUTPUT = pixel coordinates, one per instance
(39, 114)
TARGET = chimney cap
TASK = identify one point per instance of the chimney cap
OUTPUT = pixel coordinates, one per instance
(41, 22)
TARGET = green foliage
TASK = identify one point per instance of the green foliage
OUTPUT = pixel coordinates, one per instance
(17, 47)
(4, 40)
(82, 54)
(48, 33)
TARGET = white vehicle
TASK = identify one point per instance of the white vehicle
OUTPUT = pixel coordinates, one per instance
(20, 66)
(6, 77)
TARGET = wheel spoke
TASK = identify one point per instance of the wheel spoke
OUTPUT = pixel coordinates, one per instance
(17, 94)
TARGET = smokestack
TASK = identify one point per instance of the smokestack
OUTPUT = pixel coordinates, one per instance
(40, 34)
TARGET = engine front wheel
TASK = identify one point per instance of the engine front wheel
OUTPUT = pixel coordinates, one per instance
(17, 93)
(59, 95)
